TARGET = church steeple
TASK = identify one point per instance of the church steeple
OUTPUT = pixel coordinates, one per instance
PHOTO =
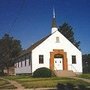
(54, 19)
(53, 13)
(54, 25)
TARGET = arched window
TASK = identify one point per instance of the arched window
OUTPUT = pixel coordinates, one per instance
(58, 56)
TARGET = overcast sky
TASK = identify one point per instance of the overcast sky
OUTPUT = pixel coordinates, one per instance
(30, 20)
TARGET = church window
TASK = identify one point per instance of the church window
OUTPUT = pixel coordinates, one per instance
(41, 59)
(25, 60)
(29, 60)
(18, 63)
(57, 40)
(55, 61)
(21, 63)
(73, 59)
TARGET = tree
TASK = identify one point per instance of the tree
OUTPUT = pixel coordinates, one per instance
(86, 63)
(67, 31)
(10, 48)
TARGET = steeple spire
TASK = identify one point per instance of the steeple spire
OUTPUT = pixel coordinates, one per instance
(54, 19)
(53, 12)
(54, 25)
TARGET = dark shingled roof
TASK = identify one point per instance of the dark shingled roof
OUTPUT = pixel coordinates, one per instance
(37, 43)
(28, 50)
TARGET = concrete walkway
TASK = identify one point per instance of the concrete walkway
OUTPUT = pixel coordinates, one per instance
(16, 84)
(83, 79)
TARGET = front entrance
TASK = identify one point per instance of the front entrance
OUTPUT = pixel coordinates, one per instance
(58, 60)
(58, 64)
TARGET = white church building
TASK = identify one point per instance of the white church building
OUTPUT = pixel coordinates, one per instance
(54, 51)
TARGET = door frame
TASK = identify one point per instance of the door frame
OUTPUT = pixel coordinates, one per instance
(61, 52)
(58, 61)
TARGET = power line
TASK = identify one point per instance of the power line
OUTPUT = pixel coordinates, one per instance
(17, 16)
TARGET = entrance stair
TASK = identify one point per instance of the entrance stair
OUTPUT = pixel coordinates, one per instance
(64, 73)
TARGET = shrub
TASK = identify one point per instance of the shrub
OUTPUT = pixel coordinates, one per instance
(42, 72)
(82, 87)
(1, 73)
(60, 86)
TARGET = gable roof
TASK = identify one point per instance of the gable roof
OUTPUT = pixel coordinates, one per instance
(28, 50)
(37, 43)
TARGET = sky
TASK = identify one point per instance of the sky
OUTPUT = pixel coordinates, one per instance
(30, 20)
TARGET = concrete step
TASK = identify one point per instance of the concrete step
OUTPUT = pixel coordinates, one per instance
(65, 73)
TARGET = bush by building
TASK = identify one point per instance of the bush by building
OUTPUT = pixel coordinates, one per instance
(42, 72)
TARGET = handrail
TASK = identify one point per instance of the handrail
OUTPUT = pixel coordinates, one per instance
(73, 67)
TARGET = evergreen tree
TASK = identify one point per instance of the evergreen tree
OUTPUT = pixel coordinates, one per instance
(86, 63)
(67, 31)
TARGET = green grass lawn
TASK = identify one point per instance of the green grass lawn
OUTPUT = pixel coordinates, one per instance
(30, 82)
(5, 85)
(87, 76)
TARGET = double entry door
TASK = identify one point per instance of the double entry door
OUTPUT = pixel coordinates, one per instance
(58, 63)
